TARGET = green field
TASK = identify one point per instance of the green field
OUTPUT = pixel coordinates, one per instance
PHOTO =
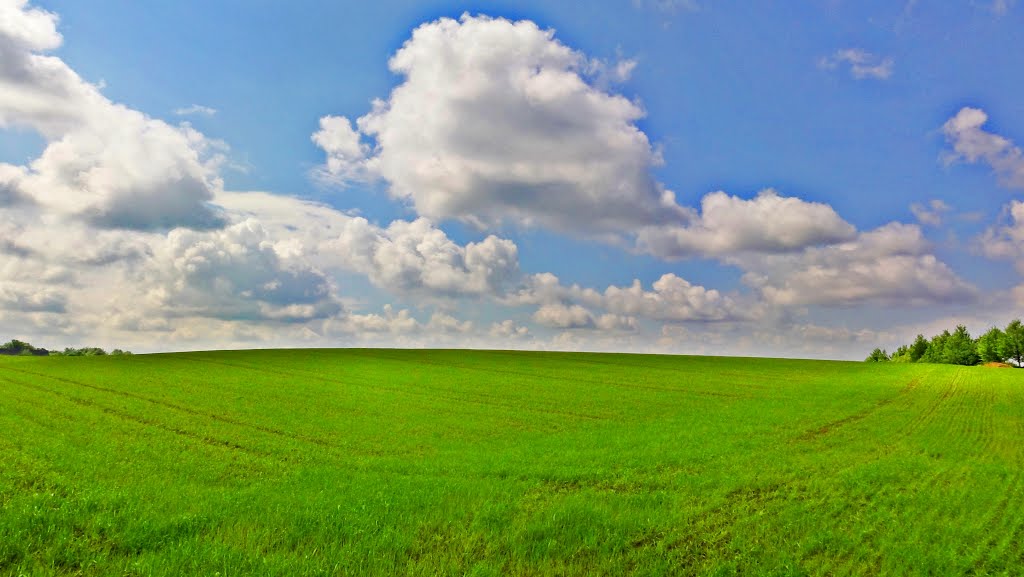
(362, 462)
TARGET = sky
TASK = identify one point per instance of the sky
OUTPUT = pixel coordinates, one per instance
(812, 179)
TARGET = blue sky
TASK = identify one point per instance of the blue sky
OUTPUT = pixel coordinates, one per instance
(888, 134)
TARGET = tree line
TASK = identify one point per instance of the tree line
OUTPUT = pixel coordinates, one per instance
(959, 348)
(16, 347)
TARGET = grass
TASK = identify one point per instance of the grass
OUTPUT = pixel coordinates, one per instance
(363, 462)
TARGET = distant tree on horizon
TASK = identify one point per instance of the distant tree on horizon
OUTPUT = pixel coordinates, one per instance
(990, 346)
(84, 352)
(878, 356)
(959, 348)
(1013, 342)
(901, 354)
(936, 349)
(16, 347)
(918, 348)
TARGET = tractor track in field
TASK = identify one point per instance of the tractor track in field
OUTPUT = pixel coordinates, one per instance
(860, 415)
(1014, 540)
(996, 521)
(926, 416)
(873, 564)
(954, 413)
(406, 391)
(1003, 519)
(713, 528)
(184, 409)
(968, 416)
(123, 415)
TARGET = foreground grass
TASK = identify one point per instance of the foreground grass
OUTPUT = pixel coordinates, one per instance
(359, 462)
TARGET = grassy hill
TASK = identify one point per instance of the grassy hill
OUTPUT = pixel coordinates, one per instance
(359, 462)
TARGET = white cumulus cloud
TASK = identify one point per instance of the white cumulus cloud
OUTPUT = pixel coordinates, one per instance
(498, 121)
(1006, 240)
(767, 223)
(672, 298)
(236, 273)
(346, 154)
(563, 316)
(508, 329)
(930, 214)
(972, 143)
(104, 163)
(403, 257)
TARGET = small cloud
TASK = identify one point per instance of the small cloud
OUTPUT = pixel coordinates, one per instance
(1000, 7)
(508, 329)
(929, 214)
(669, 5)
(347, 154)
(862, 64)
(606, 73)
(194, 110)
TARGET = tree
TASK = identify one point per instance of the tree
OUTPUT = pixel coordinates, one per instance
(1013, 342)
(14, 346)
(959, 348)
(84, 352)
(901, 354)
(990, 346)
(936, 349)
(877, 356)
(918, 349)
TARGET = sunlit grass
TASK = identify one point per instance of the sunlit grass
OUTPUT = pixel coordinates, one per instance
(357, 462)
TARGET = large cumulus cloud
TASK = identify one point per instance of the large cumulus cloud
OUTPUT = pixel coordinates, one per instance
(104, 163)
(497, 120)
